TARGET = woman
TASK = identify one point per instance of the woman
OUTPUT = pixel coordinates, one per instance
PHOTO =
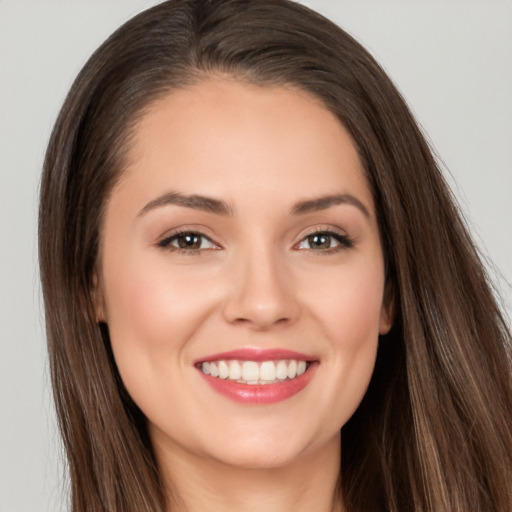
(258, 289)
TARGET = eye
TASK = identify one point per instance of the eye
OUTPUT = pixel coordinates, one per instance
(327, 241)
(187, 241)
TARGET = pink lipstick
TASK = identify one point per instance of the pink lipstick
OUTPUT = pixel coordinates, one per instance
(256, 376)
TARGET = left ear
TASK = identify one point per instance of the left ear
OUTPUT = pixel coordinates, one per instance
(386, 320)
(387, 312)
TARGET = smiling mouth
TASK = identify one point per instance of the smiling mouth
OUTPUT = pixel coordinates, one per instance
(254, 376)
(255, 372)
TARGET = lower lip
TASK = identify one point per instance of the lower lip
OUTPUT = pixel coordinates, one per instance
(260, 393)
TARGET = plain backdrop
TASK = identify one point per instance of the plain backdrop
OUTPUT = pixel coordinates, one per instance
(451, 60)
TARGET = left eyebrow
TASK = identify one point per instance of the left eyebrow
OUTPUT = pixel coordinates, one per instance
(324, 202)
(195, 202)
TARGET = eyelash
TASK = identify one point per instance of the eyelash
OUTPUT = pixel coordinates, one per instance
(166, 242)
(344, 242)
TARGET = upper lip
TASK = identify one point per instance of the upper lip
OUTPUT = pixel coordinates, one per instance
(256, 354)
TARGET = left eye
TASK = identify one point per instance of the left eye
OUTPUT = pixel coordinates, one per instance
(324, 241)
(188, 241)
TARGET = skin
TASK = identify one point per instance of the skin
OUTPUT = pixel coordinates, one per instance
(256, 281)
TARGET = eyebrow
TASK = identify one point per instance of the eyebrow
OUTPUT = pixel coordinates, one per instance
(196, 202)
(324, 202)
(219, 207)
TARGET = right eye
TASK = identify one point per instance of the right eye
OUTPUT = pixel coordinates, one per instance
(187, 241)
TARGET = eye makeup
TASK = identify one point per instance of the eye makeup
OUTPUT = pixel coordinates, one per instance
(192, 242)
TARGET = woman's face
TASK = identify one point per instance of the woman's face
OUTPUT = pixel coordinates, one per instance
(242, 242)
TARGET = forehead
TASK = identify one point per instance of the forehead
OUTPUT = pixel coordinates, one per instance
(223, 138)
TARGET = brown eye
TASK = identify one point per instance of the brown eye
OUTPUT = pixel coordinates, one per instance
(187, 242)
(319, 241)
(325, 241)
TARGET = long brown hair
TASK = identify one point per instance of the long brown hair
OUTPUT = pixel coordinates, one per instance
(434, 431)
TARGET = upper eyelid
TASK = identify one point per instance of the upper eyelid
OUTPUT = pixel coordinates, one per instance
(183, 231)
(324, 229)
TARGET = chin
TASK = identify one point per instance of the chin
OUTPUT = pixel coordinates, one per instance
(257, 451)
(258, 459)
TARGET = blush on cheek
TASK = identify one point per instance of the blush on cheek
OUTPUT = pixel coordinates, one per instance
(157, 307)
(355, 312)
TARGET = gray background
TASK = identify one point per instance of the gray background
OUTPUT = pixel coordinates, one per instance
(451, 60)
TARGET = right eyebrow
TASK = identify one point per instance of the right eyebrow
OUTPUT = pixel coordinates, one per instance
(324, 202)
(196, 202)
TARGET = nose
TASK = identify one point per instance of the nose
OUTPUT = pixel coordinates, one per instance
(261, 292)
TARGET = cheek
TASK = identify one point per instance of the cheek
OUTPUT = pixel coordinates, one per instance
(152, 302)
(349, 310)
(351, 302)
(152, 314)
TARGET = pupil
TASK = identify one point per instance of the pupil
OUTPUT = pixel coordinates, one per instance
(189, 242)
(319, 241)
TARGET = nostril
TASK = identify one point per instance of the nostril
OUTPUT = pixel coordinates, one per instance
(259, 323)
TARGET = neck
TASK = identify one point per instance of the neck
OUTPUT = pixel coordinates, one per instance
(308, 483)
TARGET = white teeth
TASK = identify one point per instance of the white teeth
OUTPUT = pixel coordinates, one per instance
(292, 369)
(214, 372)
(235, 370)
(268, 371)
(252, 372)
(282, 370)
(223, 370)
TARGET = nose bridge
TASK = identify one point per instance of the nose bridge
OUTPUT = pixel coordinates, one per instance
(261, 290)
